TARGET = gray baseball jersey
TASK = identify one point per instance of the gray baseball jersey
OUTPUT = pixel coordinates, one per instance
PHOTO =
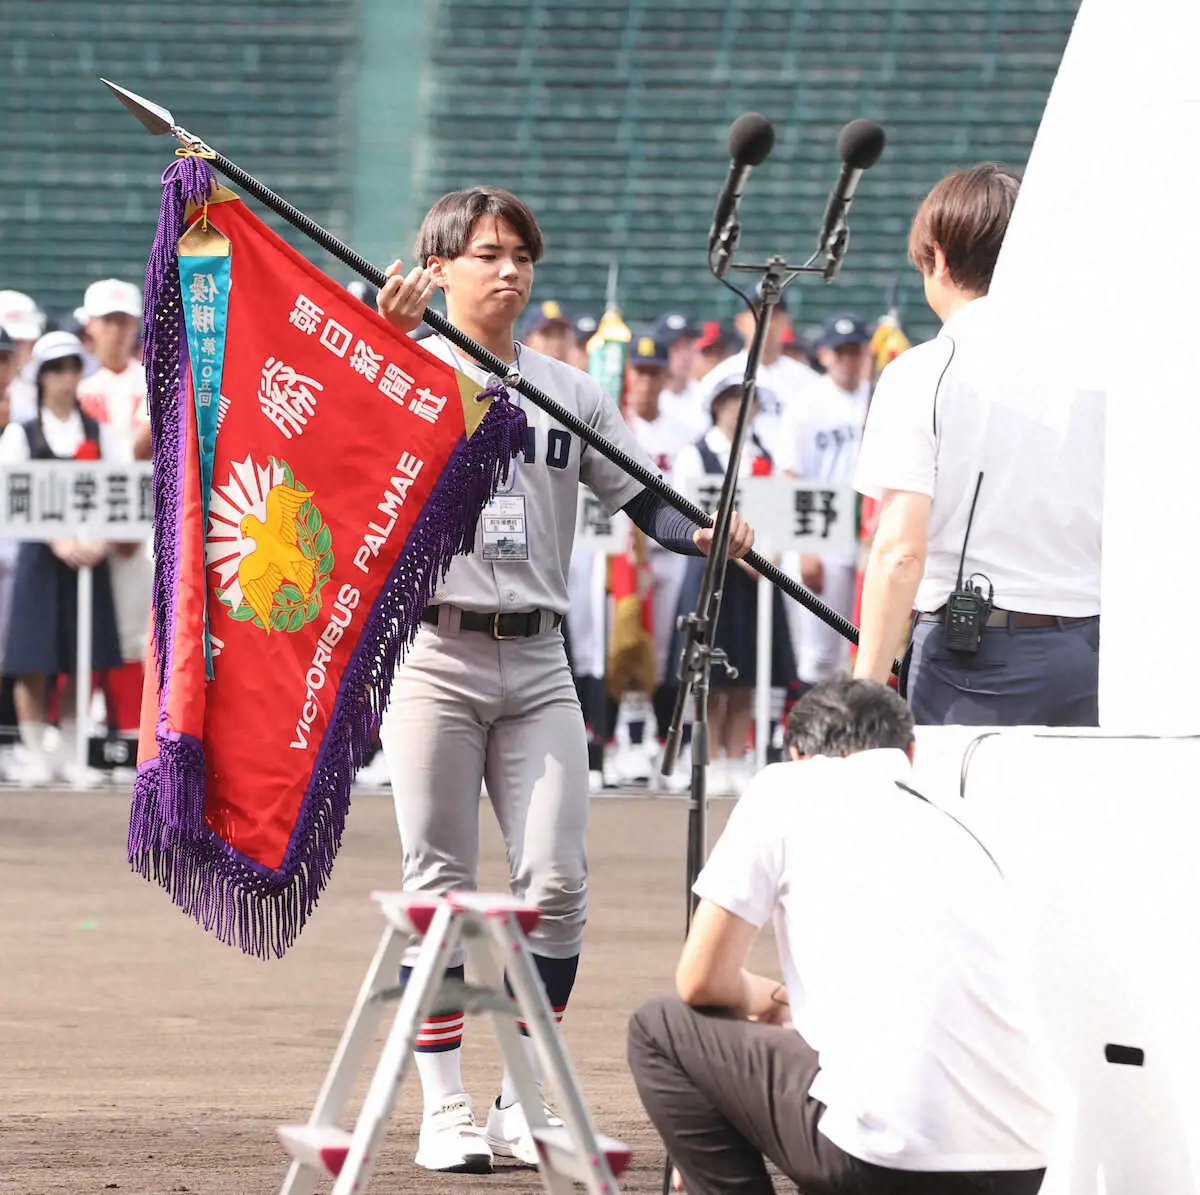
(467, 709)
(523, 545)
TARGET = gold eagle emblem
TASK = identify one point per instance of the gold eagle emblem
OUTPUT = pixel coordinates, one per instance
(277, 557)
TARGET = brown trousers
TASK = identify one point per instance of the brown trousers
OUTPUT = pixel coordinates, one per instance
(724, 1092)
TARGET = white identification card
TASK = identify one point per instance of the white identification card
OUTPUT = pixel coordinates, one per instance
(505, 535)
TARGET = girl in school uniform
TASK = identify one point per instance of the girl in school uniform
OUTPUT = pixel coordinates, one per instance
(730, 700)
(41, 641)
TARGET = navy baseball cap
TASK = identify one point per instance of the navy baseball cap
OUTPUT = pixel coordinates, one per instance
(674, 326)
(585, 327)
(647, 349)
(843, 329)
(540, 315)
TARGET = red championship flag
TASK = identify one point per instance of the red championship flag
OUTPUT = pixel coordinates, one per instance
(314, 472)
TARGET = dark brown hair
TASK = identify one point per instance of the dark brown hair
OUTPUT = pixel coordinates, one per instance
(966, 214)
(843, 716)
(447, 226)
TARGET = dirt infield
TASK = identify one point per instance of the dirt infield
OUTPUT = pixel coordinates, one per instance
(139, 1055)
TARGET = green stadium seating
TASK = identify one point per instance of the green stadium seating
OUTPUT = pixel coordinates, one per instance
(611, 118)
(264, 81)
(608, 116)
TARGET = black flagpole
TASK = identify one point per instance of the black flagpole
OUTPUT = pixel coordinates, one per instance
(159, 120)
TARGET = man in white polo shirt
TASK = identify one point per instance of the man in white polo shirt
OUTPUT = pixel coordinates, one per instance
(989, 474)
(900, 1054)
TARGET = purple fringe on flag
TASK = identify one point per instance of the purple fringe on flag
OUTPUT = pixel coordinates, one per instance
(244, 903)
(164, 357)
(168, 795)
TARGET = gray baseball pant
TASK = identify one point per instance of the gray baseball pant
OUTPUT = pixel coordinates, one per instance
(466, 708)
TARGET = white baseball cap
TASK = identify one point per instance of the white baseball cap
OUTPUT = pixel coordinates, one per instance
(20, 316)
(54, 346)
(111, 296)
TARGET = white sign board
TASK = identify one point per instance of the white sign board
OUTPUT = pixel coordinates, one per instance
(45, 500)
(596, 531)
(789, 515)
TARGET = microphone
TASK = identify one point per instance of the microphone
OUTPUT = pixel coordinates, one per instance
(859, 145)
(751, 138)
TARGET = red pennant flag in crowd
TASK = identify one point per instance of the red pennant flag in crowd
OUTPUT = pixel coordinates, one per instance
(315, 471)
(631, 650)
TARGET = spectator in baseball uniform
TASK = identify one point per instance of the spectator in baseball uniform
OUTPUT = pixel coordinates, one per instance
(41, 643)
(680, 398)
(662, 437)
(819, 440)
(901, 1054)
(548, 329)
(978, 462)
(585, 328)
(717, 342)
(24, 321)
(485, 691)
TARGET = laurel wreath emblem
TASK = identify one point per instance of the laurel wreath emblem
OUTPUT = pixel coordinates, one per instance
(292, 610)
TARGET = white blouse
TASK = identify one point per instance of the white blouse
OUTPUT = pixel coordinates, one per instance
(62, 435)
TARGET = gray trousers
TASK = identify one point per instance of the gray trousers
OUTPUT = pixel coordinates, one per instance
(1043, 676)
(724, 1092)
(466, 708)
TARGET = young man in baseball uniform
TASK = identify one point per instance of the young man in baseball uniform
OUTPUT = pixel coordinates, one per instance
(818, 441)
(485, 690)
(662, 437)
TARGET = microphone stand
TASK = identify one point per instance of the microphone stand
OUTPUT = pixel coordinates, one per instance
(699, 626)
(698, 653)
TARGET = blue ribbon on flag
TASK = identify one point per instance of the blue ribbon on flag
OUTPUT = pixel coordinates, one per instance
(204, 285)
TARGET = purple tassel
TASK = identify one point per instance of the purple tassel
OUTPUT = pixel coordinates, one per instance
(164, 356)
(185, 179)
(168, 800)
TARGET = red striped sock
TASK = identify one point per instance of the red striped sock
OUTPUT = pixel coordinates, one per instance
(445, 1031)
(440, 1033)
(558, 1011)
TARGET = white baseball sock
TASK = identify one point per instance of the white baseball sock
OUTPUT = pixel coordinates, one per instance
(508, 1086)
(441, 1076)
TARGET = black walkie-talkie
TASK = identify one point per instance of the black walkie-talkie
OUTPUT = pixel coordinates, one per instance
(967, 607)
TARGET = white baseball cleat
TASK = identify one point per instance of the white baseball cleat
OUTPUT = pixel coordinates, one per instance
(452, 1141)
(508, 1132)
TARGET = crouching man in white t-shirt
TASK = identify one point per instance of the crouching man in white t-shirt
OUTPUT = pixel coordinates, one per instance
(898, 1053)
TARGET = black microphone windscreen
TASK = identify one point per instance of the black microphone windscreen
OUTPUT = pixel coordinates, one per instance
(860, 143)
(751, 138)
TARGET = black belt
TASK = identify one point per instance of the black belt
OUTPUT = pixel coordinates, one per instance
(1014, 618)
(514, 625)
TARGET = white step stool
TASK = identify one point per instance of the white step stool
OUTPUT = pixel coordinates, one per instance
(492, 929)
